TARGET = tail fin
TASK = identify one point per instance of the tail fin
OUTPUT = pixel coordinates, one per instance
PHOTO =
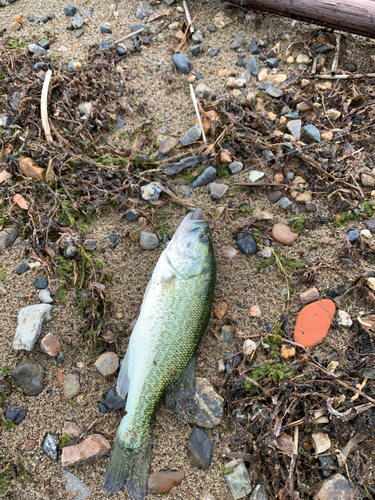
(129, 468)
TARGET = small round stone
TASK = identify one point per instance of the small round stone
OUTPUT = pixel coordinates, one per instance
(15, 413)
(41, 283)
(70, 10)
(353, 235)
(247, 244)
(235, 167)
(105, 29)
(22, 268)
(182, 63)
(148, 240)
(274, 196)
(45, 297)
(90, 245)
(50, 443)
(107, 364)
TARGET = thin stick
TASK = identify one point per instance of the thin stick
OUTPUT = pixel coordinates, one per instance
(335, 62)
(192, 93)
(188, 18)
(43, 107)
(343, 77)
(129, 36)
(315, 63)
(257, 184)
(295, 440)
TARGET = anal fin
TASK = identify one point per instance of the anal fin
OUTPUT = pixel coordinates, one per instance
(184, 382)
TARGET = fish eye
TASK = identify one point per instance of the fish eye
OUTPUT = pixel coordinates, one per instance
(203, 238)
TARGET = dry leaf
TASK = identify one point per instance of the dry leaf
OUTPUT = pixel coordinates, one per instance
(4, 176)
(20, 201)
(368, 324)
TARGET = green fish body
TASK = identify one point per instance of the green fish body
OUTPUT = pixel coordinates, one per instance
(174, 314)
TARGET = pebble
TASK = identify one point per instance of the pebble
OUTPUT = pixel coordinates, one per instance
(30, 445)
(31, 18)
(238, 481)
(72, 483)
(112, 400)
(197, 37)
(251, 65)
(44, 44)
(258, 493)
(30, 376)
(148, 240)
(50, 444)
(105, 29)
(217, 191)
(185, 190)
(275, 196)
(60, 358)
(70, 10)
(196, 50)
(247, 244)
(214, 53)
(90, 245)
(102, 407)
(29, 327)
(78, 22)
(41, 283)
(45, 297)
(343, 319)
(192, 135)
(71, 386)
(283, 234)
(15, 413)
(206, 496)
(371, 224)
(235, 167)
(220, 309)
(274, 92)
(30, 168)
(255, 312)
(144, 10)
(206, 177)
(254, 49)
(120, 123)
(228, 253)
(285, 203)
(90, 448)
(167, 145)
(237, 42)
(336, 487)
(272, 62)
(107, 364)
(294, 127)
(321, 442)
(227, 335)
(150, 192)
(40, 66)
(255, 175)
(366, 233)
(312, 132)
(201, 406)
(22, 268)
(231, 361)
(311, 295)
(164, 481)
(182, 63)
(50, 345)
(287, 352)
(15, 26)
(313, 322)
(353, 235)
(202, 90)
(36, 49)
(249, 347)
(310, 207)
(199, 449)
(303, 59)
(132, 215)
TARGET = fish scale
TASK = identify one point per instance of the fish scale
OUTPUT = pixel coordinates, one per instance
(174, 314)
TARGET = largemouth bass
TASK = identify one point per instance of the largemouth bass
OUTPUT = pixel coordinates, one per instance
(174, 314)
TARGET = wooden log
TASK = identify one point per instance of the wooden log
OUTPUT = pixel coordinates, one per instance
(354, 16)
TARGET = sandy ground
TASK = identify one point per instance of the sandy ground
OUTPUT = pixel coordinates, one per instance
(239, 283)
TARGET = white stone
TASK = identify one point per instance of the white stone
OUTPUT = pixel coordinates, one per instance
(45, 296)
(249, 346)
(343, 319)
(217, 191)
(255, 175)
(366, 233)
(238, 481)
(29, 328)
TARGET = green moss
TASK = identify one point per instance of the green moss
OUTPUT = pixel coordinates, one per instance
(223, 171)
(65, 438)
(246, 209)
(5, 479)
(187, 176)
(274, 339)
(345, 218)
(7, 424)
(297, 223)
(227, 470)
(3, 273)
(61, 294)
(275, 371)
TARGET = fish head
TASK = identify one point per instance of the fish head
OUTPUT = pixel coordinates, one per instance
(191, 244)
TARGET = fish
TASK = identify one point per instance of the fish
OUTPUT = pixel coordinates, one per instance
(161, 353)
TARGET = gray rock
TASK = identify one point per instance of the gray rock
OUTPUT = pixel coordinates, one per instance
(70, 10)
(214, 52)
(112, 401)
(71, 386)
(237, 42)
(121, 51)
(235, 167)
(206, 177)
(201, 406)
(150, 192)
(105, 29)
(353, 235)
(274, 196)
(51, 15)
(191, 135)
(44, 44)
(131, 215)
(31, 18)
(120, 122)
(199, 449)
(166, 146)
(78, 22)
(290, 176)
(144, 10)
(15, 413)
(285, 110)
(254, 49)
(60, 358)
(251, 65)
(176, 168)
(312, 132)
(5, 122)
(41, 283)
(71, 66)
(30, 376)
(185, 190)
(50, 444)
(196, 50)
(148, 241)
(202, 90)
(90, 245)
(30, 322)
(227, 335)
(43, 20)
(169, 2)
(22, 268)
(371, 224)
(137, 27)
(69, 252)
(35, 49)
(285, 203)
(258, 493)
(238, 481)
(40, 65)
(72, 483)
(45, 297)
(294, 115)
(197, 37)
(79, 32)
(217, 191)
(310, 207)
(272, 62)
(247, 244)
(294, 127)
(274, 92)
(336, 487)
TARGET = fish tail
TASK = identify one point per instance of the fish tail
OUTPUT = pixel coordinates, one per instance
(129, 468)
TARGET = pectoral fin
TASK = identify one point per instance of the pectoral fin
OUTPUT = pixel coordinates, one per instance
(123, 380)
(184, 382)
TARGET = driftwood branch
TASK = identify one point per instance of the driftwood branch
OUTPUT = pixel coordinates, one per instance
(354, 16)
(43, 107)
